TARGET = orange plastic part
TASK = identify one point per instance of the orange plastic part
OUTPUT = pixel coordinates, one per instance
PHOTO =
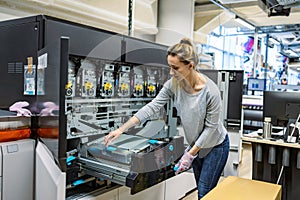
(16, 134)
(48, 132)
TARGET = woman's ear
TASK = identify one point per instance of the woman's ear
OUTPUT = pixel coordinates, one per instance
(191, 65)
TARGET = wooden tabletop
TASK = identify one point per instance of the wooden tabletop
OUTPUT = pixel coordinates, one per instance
(235, 188)
(270, 142)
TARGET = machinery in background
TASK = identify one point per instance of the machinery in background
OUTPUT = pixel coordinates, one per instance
(253, 105)
(286, 115)
(252, 113)
(230, 83)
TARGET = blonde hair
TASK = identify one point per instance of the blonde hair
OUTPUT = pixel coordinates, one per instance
(185, 51)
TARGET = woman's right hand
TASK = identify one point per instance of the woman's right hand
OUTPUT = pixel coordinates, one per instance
(112, 136)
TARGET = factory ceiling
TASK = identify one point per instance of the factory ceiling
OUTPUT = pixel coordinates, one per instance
(279, 18)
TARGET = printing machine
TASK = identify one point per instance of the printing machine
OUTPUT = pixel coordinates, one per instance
(81, 83)
(230, 83)
(140, 158)
(96, 102)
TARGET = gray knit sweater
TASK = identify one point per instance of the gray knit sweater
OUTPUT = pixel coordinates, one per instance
(199, 113)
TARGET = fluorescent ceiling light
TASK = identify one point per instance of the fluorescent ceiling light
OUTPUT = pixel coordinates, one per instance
(234, 1)
(244, 23)
(274, 41)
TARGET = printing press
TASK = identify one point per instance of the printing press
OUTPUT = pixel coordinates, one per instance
(133, 161)
(137, 160)
(78, 90)
(143, 156)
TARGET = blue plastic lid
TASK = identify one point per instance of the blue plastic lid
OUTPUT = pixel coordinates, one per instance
(153, 141)
(78, 182)
(109, 148)
(70, 158)
(175, 168)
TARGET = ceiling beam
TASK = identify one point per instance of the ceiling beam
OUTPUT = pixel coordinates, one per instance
(213, 23)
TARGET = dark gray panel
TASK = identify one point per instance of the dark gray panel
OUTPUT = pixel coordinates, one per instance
(18, 41)
(145, 53)
(85, 41)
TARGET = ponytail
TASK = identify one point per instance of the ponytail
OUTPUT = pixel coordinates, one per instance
(185, 51)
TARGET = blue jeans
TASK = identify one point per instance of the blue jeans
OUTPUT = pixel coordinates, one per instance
(208, 170)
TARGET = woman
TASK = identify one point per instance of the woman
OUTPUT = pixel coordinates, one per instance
(198, 103)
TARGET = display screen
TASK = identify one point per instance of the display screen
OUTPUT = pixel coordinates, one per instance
(255, 84)
(281, 106)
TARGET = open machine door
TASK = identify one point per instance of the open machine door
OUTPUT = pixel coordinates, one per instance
(50, 181)
(50, 178)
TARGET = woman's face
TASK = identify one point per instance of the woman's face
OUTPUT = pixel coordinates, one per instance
(178, 69)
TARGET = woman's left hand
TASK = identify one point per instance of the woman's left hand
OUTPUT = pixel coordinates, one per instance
(184, 163)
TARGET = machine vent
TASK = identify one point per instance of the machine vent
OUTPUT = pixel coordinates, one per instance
(15, 68)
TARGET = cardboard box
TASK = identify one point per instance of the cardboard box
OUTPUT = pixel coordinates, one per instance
(235, 188)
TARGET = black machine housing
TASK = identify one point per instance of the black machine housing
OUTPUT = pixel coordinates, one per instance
(87, 82)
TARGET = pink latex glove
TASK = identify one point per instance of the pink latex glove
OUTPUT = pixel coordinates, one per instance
(18, 107)
(184, 163)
